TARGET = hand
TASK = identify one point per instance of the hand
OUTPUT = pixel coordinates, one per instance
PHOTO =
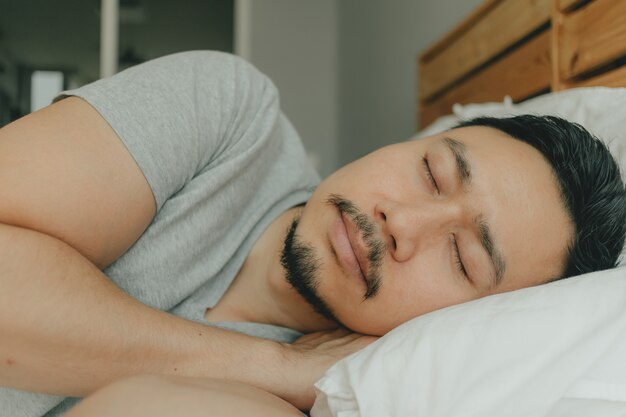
(308, 358)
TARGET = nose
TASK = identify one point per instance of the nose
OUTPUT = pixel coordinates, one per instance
(408, 226)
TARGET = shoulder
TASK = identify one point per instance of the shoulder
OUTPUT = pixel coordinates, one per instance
(214, 65)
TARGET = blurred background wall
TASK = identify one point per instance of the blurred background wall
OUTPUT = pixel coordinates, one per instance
(346, 69)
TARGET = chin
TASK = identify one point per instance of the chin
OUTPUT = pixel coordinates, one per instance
(369, 329)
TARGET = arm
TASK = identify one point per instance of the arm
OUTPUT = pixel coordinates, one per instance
(158, 396)
(73, 200)
(68, 330)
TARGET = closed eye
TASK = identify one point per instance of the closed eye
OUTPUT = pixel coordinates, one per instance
(429, 174)
(457, 259)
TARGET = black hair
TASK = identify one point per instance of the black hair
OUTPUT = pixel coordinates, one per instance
(589, 181)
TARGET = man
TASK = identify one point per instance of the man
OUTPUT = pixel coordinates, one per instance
(142, 208)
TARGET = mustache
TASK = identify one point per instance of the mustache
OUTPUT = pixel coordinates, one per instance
(376, 247)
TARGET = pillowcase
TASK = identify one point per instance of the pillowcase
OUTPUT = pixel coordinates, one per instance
(536, 352)
(541, 351)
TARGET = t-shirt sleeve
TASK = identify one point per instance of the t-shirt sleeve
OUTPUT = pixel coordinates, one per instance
(178, 113)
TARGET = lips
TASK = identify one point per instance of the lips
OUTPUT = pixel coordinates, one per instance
(342, 248)
(357, 244)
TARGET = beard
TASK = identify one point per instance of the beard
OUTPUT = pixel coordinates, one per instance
(302, 265)
(301, 269)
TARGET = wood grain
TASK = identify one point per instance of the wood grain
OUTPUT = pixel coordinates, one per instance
(592, 36)
(585, 46)
(460, 29)
(567, 4)
(504, 24)
(555, 45)
(520, 74)
(614, 78)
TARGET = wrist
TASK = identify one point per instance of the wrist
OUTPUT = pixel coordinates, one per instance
(271, 363)
(272, 367)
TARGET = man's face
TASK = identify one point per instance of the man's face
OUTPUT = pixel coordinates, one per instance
(430, 223)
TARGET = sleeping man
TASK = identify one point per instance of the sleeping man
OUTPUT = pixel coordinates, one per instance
(164, 237)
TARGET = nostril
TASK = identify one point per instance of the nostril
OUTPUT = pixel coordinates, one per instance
(393, 243)
(383, 215)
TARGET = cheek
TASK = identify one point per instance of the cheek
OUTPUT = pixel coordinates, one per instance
(380, 171)
(421, 286)
(408, 290)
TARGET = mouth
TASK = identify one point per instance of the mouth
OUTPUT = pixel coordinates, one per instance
(348, 250)
(358, 245)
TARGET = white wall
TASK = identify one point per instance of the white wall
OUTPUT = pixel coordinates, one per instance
(379, 42)
(294, 42)
(346, 69)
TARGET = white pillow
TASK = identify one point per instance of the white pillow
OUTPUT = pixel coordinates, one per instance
(541, 351)
(535, 352)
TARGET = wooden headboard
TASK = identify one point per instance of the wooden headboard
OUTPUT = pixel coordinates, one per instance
(523, 48)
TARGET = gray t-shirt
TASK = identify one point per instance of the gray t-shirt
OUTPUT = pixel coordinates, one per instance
(223, 162)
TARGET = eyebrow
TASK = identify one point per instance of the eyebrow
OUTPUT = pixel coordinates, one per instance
(460, 156)
(464, 172)
(494, 254)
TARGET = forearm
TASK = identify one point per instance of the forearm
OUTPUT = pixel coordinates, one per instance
(68, 330)
(159, 396)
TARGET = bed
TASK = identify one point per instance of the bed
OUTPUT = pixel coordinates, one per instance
(522, 49)
(555, 350)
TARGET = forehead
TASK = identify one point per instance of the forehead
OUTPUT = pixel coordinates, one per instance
(514, 189)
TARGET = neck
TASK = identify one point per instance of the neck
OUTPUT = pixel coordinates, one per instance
(263, 293)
